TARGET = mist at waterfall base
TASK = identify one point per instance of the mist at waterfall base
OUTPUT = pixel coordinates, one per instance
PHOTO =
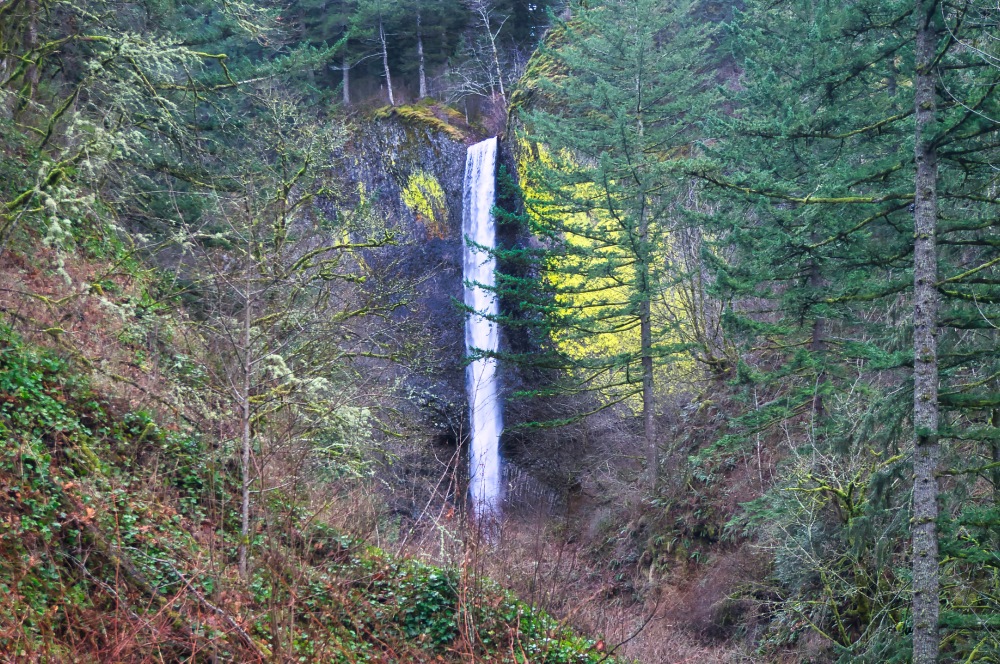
(481, 333)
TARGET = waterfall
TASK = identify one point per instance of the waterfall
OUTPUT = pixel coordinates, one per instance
(485, 417)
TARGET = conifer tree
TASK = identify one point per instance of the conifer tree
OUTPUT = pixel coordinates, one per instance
(329, 22)
(429, 31)
(833, 215)
(375, 21)
(926, 446)
(602, 192)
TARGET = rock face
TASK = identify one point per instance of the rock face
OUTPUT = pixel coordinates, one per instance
(414, 174)
(411, 169)
(399, 159)
(411, 165)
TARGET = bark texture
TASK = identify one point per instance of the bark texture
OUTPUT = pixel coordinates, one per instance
(648, 402)
(646, 349)
(926, 450)
(345, 69)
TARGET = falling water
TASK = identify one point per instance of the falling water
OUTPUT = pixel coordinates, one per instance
(481, 333)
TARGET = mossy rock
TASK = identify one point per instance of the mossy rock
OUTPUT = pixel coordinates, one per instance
(425, 197)
(430, 114)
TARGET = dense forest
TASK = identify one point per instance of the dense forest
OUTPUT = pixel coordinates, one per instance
(746, 282)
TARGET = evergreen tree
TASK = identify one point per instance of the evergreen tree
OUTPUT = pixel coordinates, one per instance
(926, 415)
(376, 21)
(428, 35)
(324, 23)
(829, 197)
(602, 192)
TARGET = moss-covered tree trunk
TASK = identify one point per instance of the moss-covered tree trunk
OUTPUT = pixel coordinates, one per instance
(31, 75)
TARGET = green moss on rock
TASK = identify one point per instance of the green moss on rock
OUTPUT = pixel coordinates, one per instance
(429, 114)
(425, 196)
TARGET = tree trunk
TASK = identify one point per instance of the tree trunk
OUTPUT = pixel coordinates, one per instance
(420, 56)
(31, 73)
(816, 344)
(648, 405)
(496, 61)
(345, 70)
(646, 350)
(385, 61)
(926, 450)
(995, 471)
(484, 13)
(245, 450)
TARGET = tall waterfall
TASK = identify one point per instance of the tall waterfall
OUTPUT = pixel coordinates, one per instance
(485, 416)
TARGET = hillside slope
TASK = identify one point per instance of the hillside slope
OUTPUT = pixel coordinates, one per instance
(118, 524)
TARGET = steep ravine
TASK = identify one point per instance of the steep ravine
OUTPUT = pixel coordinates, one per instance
(117, 490)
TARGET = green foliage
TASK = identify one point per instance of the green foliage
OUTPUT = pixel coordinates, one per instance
(433, 606)
(836, 547)
(198, 135)
(814, 181)
(195, 138)
(56, 436)
(69, 479)
(602, 172)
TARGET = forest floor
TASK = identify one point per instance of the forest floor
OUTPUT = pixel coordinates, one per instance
(641, 614)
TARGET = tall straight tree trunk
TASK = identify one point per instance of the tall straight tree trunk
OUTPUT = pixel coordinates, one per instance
(816, 344)
(648, 405)
(246, 368)
(496, 63)
(385, 61)
(926, 450)
(646, 350)
(31, 74)
(345, 70)
(420, 55)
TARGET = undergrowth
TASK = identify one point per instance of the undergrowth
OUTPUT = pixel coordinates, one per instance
(117, 544)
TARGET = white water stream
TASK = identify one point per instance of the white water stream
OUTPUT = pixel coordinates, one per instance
(485, 416)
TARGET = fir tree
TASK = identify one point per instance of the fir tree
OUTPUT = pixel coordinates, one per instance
(602, 192)
(833, 214)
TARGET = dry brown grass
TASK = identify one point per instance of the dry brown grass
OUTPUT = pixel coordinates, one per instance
(641, 617)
